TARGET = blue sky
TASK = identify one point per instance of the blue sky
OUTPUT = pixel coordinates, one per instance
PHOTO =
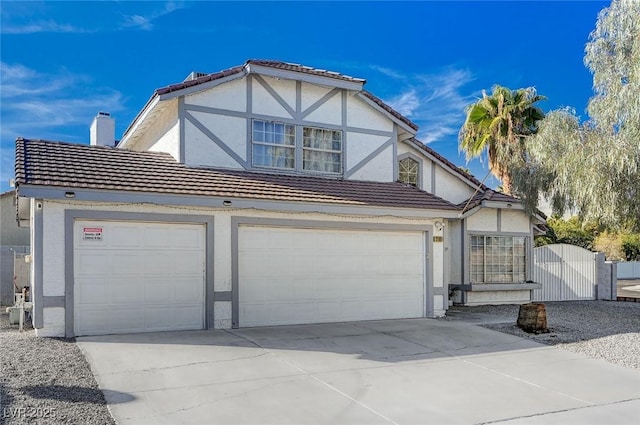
(62, 62)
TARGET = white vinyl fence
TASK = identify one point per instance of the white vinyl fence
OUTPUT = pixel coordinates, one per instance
(568, 272)
(629, 270)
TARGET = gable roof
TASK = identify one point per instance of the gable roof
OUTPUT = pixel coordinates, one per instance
(70, 165)
(244, 69)
(448, 164)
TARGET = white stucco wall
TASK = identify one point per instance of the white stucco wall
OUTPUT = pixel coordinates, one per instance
(359, 146)
(514, 221)
(379, 168)
(265, 104)
(450, 187)
(163, 134)
(231, 95)
(359, 114)
(200, 150)
(311, 94)
(484, 220)
(54, 262)
(329, 112)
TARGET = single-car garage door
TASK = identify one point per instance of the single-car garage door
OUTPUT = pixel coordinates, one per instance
(138, 277)
(294, 276)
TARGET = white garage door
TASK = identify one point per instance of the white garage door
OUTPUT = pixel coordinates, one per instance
(138, 277)
(294, 276)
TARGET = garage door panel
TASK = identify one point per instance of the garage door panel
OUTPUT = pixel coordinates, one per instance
(188, 238)
(92, 263)
(128, 263)
(139, 277)
(187, 262)
(328, 275)
(157, 237)
(123, 236)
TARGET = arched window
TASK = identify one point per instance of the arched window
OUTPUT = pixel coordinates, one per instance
(409, 171)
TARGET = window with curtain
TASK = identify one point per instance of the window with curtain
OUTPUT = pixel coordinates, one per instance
(498, 259)
(273, 144)
(321, 150)
(409, 171)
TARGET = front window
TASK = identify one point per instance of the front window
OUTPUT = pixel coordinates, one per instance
(408, 171)
(274, 144)
(498, 259)
(321, 150)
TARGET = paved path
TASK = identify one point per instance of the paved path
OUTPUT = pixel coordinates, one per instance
(421, 371)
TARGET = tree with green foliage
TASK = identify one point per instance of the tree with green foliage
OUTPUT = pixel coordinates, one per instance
(498, 124)
(631, 246)
(572, 231)
(594, 166)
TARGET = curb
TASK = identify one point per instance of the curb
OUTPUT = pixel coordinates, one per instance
(628, 299)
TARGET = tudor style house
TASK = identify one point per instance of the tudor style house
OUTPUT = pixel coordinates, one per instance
(265, 194)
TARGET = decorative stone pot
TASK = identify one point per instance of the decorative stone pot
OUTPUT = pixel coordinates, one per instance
(532, 318)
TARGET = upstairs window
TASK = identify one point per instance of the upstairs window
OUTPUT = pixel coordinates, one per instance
(321, 150)
(409, 171)
(274, 144)
(498, 259)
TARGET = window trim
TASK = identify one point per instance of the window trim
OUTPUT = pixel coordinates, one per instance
(485, 235)
(420, 167)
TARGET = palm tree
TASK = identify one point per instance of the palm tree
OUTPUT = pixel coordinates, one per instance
(499, 123)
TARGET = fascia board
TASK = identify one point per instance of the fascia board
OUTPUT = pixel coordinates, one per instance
(142, 115)
(94, 195)
(503, 205)
(301, 76)
(377, 107)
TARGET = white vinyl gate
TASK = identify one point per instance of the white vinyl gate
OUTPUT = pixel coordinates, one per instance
(566, 272)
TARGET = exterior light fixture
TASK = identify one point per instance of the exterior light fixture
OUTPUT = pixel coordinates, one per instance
(438, 225)
(226, 203)
(69, 194)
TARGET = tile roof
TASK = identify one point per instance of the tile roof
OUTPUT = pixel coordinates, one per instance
(70, 165)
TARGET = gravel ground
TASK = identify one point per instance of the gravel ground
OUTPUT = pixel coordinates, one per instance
(606, 330)
(46, 381)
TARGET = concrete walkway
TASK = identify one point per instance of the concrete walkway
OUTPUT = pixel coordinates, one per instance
(385, 372)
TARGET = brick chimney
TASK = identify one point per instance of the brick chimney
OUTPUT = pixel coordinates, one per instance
(103, 130)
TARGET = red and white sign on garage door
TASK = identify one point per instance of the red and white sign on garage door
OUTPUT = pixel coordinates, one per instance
(92, 233)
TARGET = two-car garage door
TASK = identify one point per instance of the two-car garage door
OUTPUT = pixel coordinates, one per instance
(147, 276)
(293, 276)
(138, 277)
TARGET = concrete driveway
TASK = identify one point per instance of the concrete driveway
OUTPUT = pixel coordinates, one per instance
(419, 371)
